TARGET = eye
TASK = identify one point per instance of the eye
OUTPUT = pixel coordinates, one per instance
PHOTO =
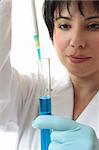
(93, 26)
(64, 27)
(62, 24)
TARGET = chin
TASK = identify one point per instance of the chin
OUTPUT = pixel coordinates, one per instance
(78, 73)
(82, 74)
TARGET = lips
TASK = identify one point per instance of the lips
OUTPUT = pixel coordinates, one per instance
(78, 59)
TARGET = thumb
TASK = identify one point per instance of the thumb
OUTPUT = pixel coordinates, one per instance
(54, 122)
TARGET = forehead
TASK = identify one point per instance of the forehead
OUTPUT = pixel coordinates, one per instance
(85, 8)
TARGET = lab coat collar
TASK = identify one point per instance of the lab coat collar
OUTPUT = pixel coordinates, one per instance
(63, 101)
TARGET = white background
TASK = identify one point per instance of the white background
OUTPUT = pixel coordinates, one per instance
(23, 50)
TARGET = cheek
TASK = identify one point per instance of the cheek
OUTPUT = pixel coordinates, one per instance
(94, 50)
(60, 46)
(94, 44)
(59, 42)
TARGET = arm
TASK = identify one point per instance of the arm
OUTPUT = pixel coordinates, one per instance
(17, 92)
(5, 66)
(5, 46)
(12, 94)
(5, 31)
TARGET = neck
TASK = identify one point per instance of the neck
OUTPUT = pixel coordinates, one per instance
(84, 91)
(84, 85)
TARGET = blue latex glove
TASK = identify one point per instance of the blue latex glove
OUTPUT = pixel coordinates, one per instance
(67, 134)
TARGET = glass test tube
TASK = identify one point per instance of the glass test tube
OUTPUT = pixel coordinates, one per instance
(44, 75)
(45, 100)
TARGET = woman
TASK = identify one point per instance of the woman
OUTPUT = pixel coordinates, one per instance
(73, 28)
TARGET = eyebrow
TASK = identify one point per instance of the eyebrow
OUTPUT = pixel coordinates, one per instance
(92, 17)
(62, 17)
(68, 18)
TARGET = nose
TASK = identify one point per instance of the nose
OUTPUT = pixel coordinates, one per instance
(77, 40)
(75, 45)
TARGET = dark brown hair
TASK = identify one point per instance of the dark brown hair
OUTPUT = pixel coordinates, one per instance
(50, 6)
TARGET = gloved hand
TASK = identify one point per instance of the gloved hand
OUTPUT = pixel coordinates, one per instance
(67, 134)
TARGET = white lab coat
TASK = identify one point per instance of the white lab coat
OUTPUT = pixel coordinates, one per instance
(19, 94)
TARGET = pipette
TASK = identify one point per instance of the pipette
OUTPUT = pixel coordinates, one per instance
(35, 29)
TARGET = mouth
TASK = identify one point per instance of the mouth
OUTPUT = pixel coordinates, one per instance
(78, 59)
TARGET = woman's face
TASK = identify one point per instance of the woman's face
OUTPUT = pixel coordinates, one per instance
(76, 39)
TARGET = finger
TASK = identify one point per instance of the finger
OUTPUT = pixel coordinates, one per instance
(55, 146)
(54, 122)
(59, 146)
(64, 136)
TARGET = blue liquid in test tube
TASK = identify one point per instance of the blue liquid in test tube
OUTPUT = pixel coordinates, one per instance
(45, 109)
